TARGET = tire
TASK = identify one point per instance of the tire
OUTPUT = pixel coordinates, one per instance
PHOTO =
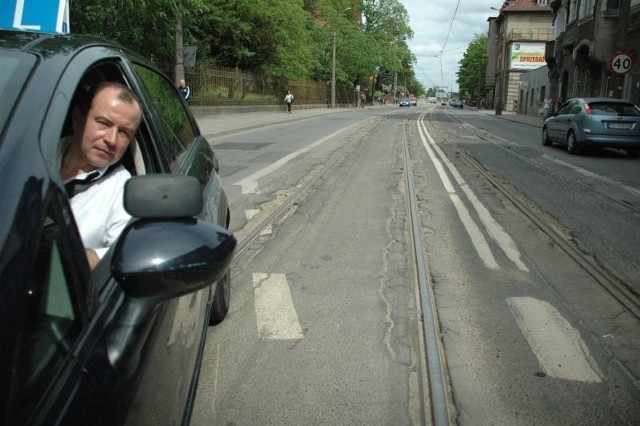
(572, 144)
(221, 300)
(545, 137)
(633, 153)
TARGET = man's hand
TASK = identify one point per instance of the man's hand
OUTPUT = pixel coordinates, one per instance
(92, 257)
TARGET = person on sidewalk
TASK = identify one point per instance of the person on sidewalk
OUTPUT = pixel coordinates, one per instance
(288, 99)
(185, 90)
(546, 108)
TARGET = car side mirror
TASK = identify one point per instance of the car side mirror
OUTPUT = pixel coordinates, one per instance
(164, 254)
(167, 252)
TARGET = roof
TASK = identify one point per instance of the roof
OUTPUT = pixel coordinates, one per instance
(524, 6)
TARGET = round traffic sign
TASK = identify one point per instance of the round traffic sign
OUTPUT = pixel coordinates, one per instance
(620, 63)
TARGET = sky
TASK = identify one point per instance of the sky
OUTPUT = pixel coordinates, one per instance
(437, 26)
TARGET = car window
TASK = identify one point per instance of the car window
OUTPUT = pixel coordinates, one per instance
(574, 107)
(177, 126)
(565, 109)
(14, 71)
(614, 109)
(52, 321)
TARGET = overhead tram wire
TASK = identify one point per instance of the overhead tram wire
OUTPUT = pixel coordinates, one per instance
(455, 12)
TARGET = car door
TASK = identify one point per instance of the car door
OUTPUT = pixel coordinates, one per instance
(48, 312)
(140, 357)
(559, 125)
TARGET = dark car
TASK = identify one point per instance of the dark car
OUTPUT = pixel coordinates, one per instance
(457, 104)
(121, 343)
(595, 122)
(404, 102)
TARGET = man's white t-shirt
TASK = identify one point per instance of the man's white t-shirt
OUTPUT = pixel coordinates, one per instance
(99, 210)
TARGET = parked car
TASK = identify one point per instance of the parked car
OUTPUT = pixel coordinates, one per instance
(121, 343)
(457, 103)
(404, 102)
(413, 101)
(594, 122)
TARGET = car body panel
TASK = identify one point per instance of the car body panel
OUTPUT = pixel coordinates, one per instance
(404, 102)
(610, 123)
(80, 382)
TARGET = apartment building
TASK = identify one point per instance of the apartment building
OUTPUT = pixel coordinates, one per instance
(595, 49)
(516, 45)
(588, 48)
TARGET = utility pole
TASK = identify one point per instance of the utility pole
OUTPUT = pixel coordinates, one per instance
(333, 74)
(179, 70)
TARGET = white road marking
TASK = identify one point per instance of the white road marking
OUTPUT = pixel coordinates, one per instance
(560, 350)
(477, 239)
(251, 213)
(275, 314)
(249, 184)
(497, 232)
(592, 175)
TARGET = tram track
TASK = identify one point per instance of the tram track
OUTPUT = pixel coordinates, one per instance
(435, 395)
(618, 289)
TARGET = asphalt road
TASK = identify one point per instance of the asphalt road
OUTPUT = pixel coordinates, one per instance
(323, 323)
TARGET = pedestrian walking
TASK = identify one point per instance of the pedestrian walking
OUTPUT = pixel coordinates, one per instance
(185, 90)
(363, 99)
(546, 108)
(288, 99)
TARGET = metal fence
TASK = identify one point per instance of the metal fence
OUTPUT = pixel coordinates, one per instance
(217, 86)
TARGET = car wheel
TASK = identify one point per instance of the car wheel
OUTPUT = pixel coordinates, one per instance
(633, 153)
(545, 137)
(221, 299)
(572, 144)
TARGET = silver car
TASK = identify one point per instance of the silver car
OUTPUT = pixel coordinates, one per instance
(595, 122)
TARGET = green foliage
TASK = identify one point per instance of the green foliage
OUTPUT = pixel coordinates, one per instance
(473, 65)
(290, 39)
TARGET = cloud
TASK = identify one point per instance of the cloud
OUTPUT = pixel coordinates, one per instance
(442, 35)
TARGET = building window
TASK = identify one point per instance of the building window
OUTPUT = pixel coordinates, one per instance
(586, 9)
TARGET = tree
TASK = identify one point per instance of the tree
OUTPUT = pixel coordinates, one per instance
(473, 65)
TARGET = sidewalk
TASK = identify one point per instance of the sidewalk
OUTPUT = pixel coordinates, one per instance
(223, 124)
(512, 116)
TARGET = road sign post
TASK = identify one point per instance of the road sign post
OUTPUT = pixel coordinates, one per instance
(620, 63)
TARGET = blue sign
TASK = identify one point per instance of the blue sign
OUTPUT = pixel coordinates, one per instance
(35, 15)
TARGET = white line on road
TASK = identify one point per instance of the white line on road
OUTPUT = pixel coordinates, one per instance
(477, 239)
(595, 176)
(275, 314)
(560, 350)
(494, 229)
(249, 184)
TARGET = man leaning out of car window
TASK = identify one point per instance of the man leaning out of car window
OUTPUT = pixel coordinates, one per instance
(104, 122)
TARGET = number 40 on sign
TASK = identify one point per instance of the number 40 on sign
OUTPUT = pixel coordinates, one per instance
(620, 63)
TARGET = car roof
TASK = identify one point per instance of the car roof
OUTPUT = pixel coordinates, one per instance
(52, 47)
(602, 99)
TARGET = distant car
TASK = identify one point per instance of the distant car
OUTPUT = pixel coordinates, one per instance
(457, 104)
(595, 122)
(413, 101)
(404, 102)
(123, 343)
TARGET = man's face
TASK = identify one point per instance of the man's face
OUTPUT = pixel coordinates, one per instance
(183, 83)
(107, 129)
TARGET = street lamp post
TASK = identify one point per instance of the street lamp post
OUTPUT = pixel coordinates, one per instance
(333, 74)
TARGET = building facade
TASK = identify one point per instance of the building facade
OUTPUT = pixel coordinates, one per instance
(595, 49)
(591, 48)
(516, 44)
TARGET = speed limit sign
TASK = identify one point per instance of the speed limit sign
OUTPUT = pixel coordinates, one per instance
(620, 63)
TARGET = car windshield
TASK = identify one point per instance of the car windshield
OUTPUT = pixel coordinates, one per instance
(14, 71)
(615, 109)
